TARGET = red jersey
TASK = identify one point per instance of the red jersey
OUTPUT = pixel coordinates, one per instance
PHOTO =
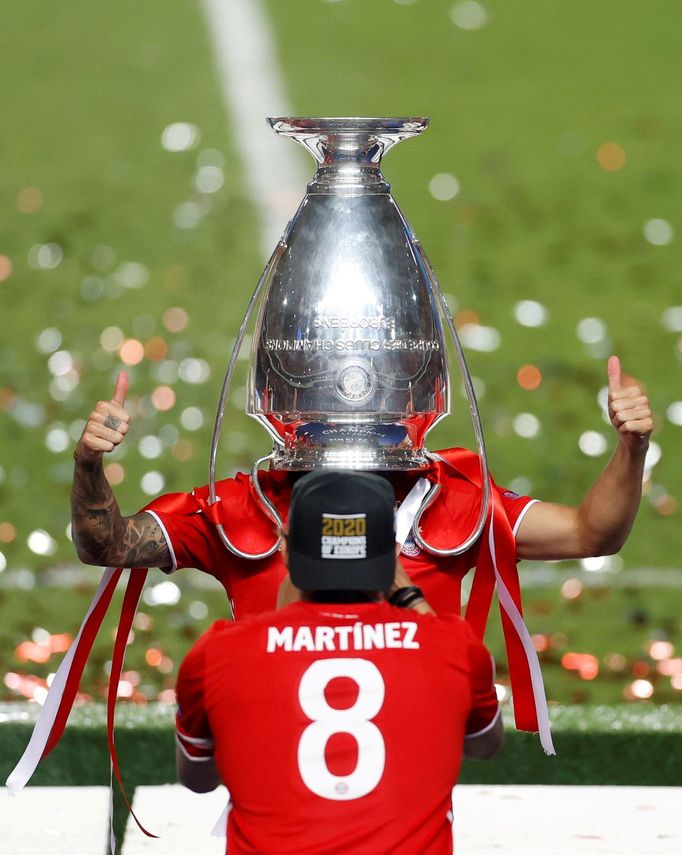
(252, 585)
(336, 728)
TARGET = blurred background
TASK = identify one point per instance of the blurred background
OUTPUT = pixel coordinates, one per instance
(141, 193)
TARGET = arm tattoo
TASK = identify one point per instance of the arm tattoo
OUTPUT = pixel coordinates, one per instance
(102, 535)
(144, 542)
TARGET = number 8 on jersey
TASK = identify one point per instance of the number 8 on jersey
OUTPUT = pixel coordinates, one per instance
(354, 720)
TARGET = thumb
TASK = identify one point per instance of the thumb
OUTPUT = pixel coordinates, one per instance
(614, 373)
(121, 389)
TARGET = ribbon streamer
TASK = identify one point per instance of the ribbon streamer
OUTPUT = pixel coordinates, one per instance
(408, 510)
(528, 691)
(55, 712)
(513, 613)
(131, 598)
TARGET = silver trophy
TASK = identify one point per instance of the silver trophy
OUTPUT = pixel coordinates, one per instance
(349, 366)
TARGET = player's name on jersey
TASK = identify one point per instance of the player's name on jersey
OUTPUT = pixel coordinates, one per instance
(355, 636)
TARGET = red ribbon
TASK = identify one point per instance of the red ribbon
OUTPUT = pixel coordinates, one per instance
(81, 655)
(131, 598)
(480, 598)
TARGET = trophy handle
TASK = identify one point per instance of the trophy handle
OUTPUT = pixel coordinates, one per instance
(220, 414)
(476, 421)
(265, 502)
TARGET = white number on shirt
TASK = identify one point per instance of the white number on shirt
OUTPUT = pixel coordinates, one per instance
(355, 720)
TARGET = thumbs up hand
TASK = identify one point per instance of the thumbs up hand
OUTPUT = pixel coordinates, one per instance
(629, 409)
(107, 424)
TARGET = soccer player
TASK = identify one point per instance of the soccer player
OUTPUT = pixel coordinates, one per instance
(179, 530)
(337, 723)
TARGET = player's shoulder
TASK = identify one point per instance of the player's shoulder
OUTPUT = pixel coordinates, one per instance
(215, 633)
(456, 468)
(452, 633)
(457, 471)
(200, 652)
(450, 623)
(221, 637)
(226, 488)
(239, 485)
(457, 463)
(453, 515)
(251, 625)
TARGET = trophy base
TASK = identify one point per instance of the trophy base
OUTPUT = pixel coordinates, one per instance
(350, 458)
(348, 445)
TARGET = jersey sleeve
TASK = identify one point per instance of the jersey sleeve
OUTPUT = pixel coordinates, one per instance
(192, 729)
(189, 538)
(515, 506)
(189, 520)
(485, 708)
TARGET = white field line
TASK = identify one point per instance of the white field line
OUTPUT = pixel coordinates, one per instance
(252, 88)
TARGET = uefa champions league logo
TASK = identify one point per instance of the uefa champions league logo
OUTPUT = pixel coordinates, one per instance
(354, 383)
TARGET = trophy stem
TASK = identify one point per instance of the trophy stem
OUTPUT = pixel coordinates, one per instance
(348, 151)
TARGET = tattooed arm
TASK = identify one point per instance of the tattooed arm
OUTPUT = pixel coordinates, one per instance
(101, 534)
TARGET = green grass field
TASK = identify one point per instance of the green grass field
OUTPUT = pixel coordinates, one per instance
(520, 111)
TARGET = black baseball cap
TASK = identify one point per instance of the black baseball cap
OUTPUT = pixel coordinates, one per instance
(341, 534)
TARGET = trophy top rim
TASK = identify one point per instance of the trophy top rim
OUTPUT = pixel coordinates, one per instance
(306, 125)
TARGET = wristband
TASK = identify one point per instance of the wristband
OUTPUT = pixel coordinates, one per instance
(403, 598)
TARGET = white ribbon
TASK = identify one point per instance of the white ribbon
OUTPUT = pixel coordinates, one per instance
(26, 766)
(112, 836)
(406, 513)
(220, 827)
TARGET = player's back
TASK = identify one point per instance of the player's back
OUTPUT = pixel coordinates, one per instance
(339, 729)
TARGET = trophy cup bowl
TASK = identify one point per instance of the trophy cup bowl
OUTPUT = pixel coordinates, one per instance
(348, 359)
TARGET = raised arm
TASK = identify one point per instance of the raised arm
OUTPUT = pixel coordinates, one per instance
(601, 523)
(101, 534)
